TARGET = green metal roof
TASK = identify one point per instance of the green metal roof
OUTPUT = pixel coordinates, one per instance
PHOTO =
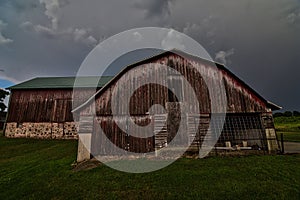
(62, 82)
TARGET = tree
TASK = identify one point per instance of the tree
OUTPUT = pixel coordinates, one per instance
(288, 114)
(296, 113)
(3, 94)
(278, 114)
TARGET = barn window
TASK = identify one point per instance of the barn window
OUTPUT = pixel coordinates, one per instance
(175, 92)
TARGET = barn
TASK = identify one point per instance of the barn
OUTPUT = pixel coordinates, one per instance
(248, 118)
(41, 107)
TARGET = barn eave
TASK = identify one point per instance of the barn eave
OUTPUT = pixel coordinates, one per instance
(273, 106)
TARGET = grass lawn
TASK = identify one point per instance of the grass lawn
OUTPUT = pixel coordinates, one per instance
(35, 169)
(289, 126)
(289, 136)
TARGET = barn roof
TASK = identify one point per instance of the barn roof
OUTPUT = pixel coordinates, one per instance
(61, 82)
(269, 104)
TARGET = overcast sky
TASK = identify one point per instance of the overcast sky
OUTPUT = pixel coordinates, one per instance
(257, 40)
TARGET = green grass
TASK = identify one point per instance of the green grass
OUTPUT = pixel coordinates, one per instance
(41, 169)
(289, 126)
(289, 136)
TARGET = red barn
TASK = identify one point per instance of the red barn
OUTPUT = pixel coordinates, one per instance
(248, 123)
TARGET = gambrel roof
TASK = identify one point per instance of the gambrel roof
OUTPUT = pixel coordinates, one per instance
(269, 104)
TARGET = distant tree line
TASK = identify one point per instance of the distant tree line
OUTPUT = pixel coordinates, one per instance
(287, 114)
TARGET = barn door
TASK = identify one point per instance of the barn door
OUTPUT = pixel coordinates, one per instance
(193, 131)
(198, 130)
(167, 126)
(160, 130)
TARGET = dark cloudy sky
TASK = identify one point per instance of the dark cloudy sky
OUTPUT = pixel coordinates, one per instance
(258, 40)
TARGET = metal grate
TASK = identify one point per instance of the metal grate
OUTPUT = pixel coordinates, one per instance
(242, 128)
(238, 131)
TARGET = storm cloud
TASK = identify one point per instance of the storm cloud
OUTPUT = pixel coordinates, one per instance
(257, 40)
(3, 40)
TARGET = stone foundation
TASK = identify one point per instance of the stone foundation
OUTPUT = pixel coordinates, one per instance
(67, 130)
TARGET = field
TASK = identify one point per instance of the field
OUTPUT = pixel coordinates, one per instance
(34, 169)
(289, 127)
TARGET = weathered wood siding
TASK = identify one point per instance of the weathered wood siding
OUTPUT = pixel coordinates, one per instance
(239, 98)
(44, 113)
(120, 138)
(44, 105)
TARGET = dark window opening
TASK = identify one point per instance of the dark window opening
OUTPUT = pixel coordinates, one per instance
(175, 89)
